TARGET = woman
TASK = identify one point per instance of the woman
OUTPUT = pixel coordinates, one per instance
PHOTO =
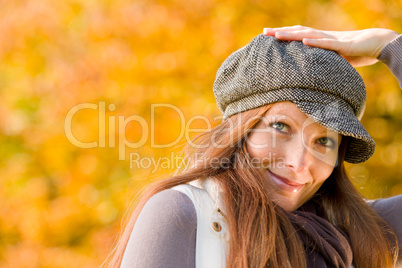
(271, 189)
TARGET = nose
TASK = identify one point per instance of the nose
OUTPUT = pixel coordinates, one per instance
(297, 156)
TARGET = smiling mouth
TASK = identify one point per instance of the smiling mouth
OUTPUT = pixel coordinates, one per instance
(285, 184)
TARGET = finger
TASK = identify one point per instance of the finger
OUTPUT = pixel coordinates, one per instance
(291, 28)
(272, 31)
(300, 34)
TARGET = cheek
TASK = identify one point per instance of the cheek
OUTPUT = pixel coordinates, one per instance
(259, 144)
(322, 173)
(326, 161)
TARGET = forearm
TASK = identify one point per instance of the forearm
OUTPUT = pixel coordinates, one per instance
(391, 55)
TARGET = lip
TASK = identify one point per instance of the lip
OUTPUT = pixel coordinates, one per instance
(285, 184)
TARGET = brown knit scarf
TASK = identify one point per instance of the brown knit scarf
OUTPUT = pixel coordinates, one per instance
(325, 244)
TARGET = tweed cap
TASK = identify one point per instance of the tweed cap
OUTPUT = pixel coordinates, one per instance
(320, 82)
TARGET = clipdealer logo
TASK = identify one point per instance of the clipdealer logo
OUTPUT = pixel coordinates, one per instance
(119, 123)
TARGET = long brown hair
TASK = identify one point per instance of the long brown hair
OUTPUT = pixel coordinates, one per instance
(261, 235)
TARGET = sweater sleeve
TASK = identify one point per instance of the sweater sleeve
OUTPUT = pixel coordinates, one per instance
(390, 209)
(391, 55)
(164, 234)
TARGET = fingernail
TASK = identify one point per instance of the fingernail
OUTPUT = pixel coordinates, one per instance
(267, 30)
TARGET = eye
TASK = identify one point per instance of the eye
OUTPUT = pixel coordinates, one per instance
(280, 126)
(328, 142)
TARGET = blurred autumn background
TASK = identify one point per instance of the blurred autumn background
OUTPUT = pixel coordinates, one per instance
(82, 83)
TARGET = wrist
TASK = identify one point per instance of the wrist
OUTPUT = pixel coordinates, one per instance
(387, 38)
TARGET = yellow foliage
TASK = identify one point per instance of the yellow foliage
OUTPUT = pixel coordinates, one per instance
(142, 72)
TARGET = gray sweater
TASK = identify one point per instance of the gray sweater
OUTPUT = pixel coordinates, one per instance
(165, 232)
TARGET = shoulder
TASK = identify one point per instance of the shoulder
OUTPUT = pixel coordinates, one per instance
(387, 205)
(171, 207)
(164, 234)
(390, 209)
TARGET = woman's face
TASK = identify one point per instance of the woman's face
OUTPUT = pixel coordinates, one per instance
(294, 153)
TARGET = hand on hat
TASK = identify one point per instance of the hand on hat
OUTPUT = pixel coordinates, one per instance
(360, 47)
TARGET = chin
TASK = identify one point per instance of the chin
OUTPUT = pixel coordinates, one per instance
(289, 201)
(288, 206)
